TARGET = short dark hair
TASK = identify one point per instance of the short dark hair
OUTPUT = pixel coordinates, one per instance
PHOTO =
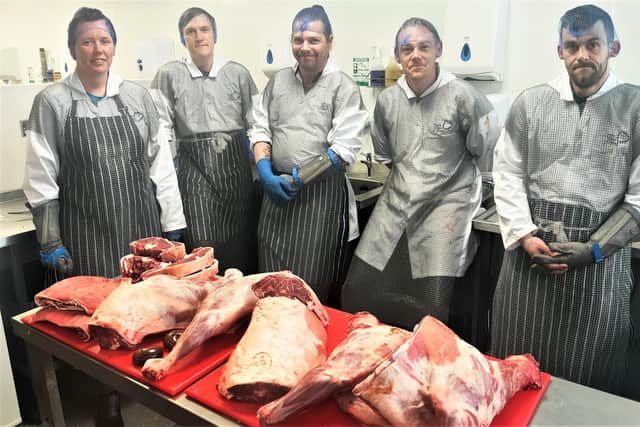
(416, 22)
(191, 13)
(310, 14)
(583, 17)
(86, 14)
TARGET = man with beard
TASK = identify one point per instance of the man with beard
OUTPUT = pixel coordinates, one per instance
(567, 190)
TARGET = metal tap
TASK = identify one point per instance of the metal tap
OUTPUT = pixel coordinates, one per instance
(368, 162)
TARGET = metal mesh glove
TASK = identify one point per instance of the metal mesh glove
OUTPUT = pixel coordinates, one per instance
(616, 232)
(315, 168)
(53, 254)
(57, 259)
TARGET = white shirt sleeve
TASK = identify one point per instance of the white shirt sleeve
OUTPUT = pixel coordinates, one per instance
(259, 119)
(512, 205)
(167, 115)
(349, 122)
(42, 165)
(632, 196)
(163, 174)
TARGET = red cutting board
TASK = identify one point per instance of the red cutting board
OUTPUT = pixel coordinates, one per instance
(518, 411)
(188, 369)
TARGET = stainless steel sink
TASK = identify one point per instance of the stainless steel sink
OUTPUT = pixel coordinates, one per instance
(366, 190)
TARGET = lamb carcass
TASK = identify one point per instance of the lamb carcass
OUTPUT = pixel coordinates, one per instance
(283, 342)
(230, 300)
(198, 259)
(133, 311)
(159, 248)
(435, 378)
(79, 293)
(368, 343)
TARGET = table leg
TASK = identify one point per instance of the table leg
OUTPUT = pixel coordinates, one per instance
(45, 384)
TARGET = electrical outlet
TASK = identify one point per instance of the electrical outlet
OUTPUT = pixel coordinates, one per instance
(24, 124)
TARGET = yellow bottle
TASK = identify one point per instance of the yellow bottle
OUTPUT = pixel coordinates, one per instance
(392, 72)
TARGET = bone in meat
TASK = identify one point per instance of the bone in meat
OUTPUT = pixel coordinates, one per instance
(79, 293)
(435, 378)
(133, 311)
(368, 343)
(283, 342)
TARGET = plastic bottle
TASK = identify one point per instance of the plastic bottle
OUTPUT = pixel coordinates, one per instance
(376, 69)
(392, 72)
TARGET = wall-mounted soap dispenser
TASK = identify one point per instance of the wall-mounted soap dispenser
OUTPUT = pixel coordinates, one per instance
(474, 38)
(274, 56)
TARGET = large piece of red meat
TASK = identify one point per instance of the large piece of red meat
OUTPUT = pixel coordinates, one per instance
(158, 304)
(283, 342)
(72, 319)
(368, 343)
(230, 300)
(158, 248)
(435, 378)
(79, 293)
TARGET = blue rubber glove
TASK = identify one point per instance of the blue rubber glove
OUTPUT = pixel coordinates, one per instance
(278, 188)
(174, 235)
(334, 159)
(57, 259)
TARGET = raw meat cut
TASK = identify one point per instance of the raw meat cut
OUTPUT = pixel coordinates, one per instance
(206, 275)
(198, 259)
(435, 378)
(287, 284)
(360, 410)
(159, 248)
(76, 320)
(283, 342)
(134, 265)
(231, 299)
(80, 293)
(368, 343)
(133, 311)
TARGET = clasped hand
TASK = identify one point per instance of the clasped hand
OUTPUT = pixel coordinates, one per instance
(573, 254)
(279, 188)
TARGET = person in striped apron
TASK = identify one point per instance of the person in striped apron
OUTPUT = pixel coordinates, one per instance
(204, 102)
(432, 130)
(98, 170)
(309, 119)
(567, 191)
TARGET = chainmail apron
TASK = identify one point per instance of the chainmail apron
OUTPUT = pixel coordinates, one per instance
(577, 324)
(219, 198)
(106, 196)
(392, 294)
(308, 235)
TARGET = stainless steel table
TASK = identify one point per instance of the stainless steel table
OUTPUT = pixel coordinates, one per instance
(43, 348)
(564, 403)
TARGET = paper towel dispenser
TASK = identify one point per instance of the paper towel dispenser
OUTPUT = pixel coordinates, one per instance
(474, 38)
